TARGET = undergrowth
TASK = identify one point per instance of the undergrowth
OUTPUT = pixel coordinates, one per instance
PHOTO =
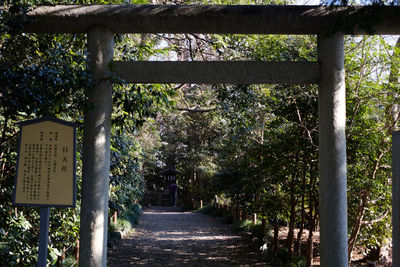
(127, 219)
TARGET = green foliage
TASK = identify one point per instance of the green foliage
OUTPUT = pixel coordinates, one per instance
(122, 225)
(18, 242)
(256, 229)
(243, 226)
(45, 75)
(207, 209)
(217, 213)
(370, 97)
(135, 103)
(264, 156)
(282, 258)
(40, 75)
(70, 262)
(272, 131)
(126, 220)
(133, 213)
(126, 184)
(213, 211)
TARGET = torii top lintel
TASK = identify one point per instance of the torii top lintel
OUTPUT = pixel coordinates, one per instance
(255, 19)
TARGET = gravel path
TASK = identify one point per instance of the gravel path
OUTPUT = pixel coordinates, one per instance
(167, 237)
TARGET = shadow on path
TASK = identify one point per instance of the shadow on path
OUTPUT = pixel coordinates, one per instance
(167, 237)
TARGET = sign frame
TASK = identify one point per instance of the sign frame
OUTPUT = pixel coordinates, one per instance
(35, 121)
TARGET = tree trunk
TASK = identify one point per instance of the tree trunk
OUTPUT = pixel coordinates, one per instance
(300, 233)
(276, 237)
(77, 251)
(357, 224)
(303, 215)
(61, 258)
(3, 134)
(361, 209)
(309, 251)
(290, 236)
(3, 138)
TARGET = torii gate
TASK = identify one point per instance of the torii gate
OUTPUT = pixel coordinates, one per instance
(100, 22)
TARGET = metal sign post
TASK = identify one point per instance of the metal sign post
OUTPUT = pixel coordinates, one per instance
(46, 168)
(43, 236)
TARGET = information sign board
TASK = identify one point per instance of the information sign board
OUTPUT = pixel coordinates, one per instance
(46, 164)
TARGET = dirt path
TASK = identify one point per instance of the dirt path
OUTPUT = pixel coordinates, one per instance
(166, 237)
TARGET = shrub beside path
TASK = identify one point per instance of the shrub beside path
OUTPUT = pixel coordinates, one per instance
(167, 237)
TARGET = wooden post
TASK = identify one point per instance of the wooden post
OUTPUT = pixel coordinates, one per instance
(254, 218)
(77, 251)
(264, 227)
(115, 217)
(61, 258)
(43, 236)
(201, 204)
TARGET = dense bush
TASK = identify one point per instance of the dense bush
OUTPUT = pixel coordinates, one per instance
(133, 213)
(282, 258)
(227, 218)
(243, 226)
(207, 209)
(256, 230)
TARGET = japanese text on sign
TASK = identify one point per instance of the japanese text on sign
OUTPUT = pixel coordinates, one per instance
(46, 166)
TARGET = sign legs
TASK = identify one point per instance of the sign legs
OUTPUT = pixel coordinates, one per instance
(43, 236)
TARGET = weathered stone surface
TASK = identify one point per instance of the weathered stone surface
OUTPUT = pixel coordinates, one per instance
(96, 152)
(396, 196)
(213, 72)
(216, 19)
(332, 151)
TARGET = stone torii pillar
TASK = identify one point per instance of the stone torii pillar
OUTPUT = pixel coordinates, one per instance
(396, 197)
(332, 151)
(96, 151)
